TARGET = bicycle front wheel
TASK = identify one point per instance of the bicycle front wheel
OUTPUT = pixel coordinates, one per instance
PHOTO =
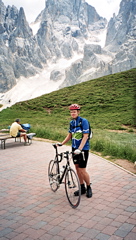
(71, 185)
(53, 175)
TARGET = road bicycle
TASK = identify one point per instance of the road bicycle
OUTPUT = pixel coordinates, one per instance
(71, 180)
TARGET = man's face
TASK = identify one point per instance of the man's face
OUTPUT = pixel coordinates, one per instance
(74, 113)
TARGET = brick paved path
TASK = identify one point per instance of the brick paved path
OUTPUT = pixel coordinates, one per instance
(30, 210)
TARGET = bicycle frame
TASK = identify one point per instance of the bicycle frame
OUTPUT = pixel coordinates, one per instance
(66, 155)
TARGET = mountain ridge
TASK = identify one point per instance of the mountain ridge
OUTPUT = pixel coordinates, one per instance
(63, 34)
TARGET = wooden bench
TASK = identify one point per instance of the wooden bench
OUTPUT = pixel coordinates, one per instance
(4, 137)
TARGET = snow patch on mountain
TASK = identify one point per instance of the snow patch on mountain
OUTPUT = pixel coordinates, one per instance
(97, 37)
(27, 88)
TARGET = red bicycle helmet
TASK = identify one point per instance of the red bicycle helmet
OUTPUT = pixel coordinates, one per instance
(74, 107)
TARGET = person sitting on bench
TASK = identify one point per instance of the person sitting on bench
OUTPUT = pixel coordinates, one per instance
(17, 131)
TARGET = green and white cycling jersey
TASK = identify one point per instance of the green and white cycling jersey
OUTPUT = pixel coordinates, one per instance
(78, 130)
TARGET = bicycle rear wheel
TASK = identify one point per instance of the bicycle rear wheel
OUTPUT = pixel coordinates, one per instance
(53, 175)
(71, 185)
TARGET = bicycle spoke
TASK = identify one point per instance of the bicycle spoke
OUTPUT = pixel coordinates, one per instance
(53, 175)
(72, 185)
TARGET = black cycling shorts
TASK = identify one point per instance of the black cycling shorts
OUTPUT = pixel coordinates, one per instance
(81, 159)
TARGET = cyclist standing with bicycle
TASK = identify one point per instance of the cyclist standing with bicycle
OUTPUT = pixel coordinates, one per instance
(78, 132)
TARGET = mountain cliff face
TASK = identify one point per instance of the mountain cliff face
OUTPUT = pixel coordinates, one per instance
(70, 31)
(121, 37)
(20, 54)
(122, 28)
(118, 54)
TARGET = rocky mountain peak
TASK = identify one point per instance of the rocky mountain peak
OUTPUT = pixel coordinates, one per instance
(22, 29)
(76, 12)
(63, 23)
(122, 27)
(73, 10)
(2, 13)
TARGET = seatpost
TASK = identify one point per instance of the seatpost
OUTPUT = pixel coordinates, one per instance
(66, 154)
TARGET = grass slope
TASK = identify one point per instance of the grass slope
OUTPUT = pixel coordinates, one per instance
(108, 103)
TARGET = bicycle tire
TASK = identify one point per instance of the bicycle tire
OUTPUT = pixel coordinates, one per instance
(71, 185)
(53, 175)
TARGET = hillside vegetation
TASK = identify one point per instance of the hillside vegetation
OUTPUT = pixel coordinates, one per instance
(109, 103)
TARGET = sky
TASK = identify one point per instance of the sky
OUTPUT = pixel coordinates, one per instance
(32, 8)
